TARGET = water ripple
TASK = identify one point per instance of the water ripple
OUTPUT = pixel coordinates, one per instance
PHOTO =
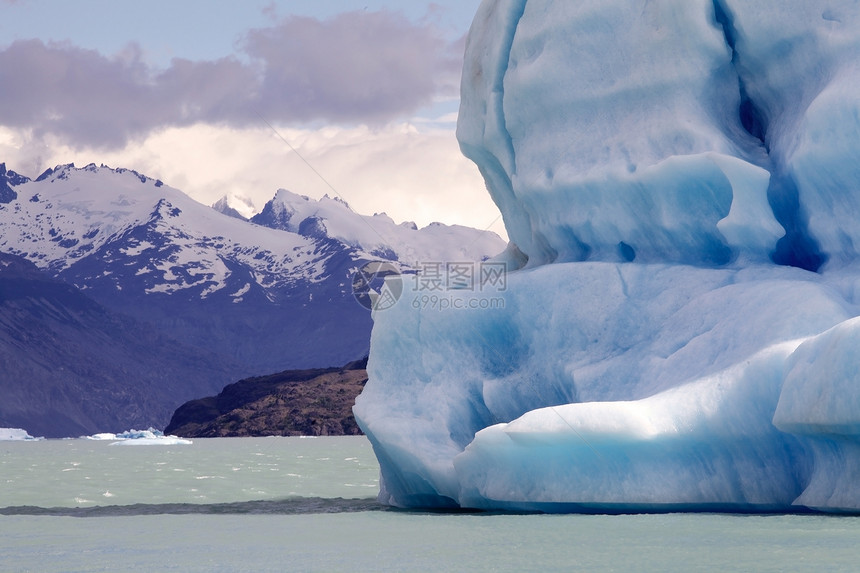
(291, 506)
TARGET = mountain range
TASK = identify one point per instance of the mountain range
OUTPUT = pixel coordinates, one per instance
(193, 297)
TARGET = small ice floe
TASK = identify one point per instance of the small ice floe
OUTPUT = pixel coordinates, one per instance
(16, 435)
(102, 436)
(148, 437)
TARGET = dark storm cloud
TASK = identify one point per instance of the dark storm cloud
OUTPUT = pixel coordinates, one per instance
(357, 67)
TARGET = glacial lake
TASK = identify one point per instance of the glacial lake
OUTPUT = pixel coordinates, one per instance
(308, 504)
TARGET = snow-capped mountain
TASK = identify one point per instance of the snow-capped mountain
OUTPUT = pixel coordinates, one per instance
(145, 229)
(272, 294)
(225, 206)
(377, 235)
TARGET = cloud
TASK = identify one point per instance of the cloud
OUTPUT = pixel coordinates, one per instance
(410, 173)
(358, 67)
(368, 65)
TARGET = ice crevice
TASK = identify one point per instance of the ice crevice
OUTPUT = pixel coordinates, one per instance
(797, 247)
(751, 117)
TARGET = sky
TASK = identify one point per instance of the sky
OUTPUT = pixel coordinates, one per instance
(351, 98)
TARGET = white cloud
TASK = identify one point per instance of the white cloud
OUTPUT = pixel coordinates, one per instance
(356, 67)
(196, 124)
(411, 174)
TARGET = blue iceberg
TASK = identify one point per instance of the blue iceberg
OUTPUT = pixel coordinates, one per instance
(149, 437)
(678, 327)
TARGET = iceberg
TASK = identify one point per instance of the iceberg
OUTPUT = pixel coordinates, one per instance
(678, 324)
(15, 434)
(149, 437)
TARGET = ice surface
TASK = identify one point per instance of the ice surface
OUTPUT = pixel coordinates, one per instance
(101, 436)
(613, 385)
(16, 434)
(680, 184)
(150, 437)
(609, 122)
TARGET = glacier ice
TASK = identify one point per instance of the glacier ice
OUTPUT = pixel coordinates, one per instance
(149, 437)
(15, 434)
(561, 103)
(679, 328)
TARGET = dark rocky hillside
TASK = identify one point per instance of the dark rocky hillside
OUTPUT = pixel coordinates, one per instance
(63, 357)
(315, 402)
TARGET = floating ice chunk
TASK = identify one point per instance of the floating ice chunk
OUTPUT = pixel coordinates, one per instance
(15, 434)
(148, 437)
(151, 433)
(665, 172)
(102, 436)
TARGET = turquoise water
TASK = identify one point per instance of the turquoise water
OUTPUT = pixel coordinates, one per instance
(87, 473)
(289, 504)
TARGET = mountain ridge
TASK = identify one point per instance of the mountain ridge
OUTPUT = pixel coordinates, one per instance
(65, 358)
(260, 298)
